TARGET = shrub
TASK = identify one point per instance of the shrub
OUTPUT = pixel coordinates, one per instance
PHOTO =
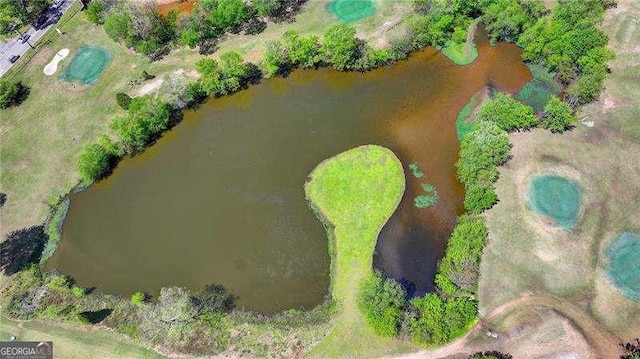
(78, 292)
(123, 100)
(12, 93)
(138, 298)
(490, 355)
(558, 116)
(381, 299)
(507, 113)
(57, 281)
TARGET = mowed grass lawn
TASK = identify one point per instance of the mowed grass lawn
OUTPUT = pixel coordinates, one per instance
(41, 139)
(355, 193)
(525, 253)
(72, 344)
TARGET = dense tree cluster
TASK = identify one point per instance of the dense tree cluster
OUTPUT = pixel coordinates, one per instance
(20, 12)
(508, 113)
(481, 152)
(146, 118)
(570, 43)
(382, 300)
(139, 25)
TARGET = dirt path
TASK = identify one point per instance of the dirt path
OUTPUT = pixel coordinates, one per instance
(603, 342)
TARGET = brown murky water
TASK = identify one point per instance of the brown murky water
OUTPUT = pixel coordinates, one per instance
(220, 198)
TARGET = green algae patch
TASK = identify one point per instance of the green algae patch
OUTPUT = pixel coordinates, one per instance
(537, 92)
(351, 10)
(557, 198)
(354, 194)
(460, 53)
(87, 65)
(624, 264)
(463, 126)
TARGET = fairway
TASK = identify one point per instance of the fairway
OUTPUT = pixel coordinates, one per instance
(624, 264)
(556, 197)
(351, 10)
(87, 65)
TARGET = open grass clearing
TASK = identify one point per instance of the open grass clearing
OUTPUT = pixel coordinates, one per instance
(94, 343)
(354, 193)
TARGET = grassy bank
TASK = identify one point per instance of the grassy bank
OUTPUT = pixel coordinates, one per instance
(354, 194)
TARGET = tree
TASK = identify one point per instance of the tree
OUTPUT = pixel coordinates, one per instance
(12, 93)
(459, 269)
(226, 14)
(267, 7)
(95, 11)
(505, 20)
(341, 47)
(175, 305)
(276, 58)
(381, 300)
(223, 78)
(95, 161)
(558, 116)
(507, 113)
(215, 298)
(303, 51)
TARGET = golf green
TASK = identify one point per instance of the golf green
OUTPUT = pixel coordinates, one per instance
(556, 197)
(351, 10)
(624, 264)
(87, 65)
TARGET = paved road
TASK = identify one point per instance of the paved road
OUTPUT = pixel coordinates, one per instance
(14, 47)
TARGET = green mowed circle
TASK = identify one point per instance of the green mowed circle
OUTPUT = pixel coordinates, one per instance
(624, 264)
(555, 197)
(351, 10)
(87, 65)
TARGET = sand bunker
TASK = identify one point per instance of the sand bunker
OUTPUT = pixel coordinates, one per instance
(351, 10)
(624, 264)
(557, 198)
(52, 67)
(87, 65)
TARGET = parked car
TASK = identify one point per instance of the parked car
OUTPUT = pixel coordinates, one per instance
(58, 3)
(13, 58)
(24, 38)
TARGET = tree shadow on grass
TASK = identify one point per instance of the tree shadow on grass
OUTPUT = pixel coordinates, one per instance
(22, 247)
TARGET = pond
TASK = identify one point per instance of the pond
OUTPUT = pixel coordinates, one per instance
(220, 199)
